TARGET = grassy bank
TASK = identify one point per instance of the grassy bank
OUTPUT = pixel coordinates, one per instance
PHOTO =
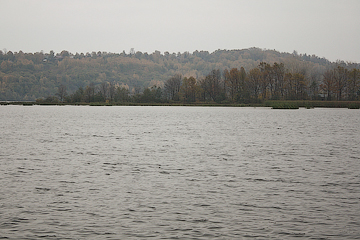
(275, 104)
(312, 104)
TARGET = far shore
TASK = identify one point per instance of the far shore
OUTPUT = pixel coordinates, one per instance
(275, 104)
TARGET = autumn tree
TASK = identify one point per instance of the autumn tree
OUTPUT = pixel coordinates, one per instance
(61, 93)
(328, 84)
(233, 83)
(278, 74)
(172, 87)
(189, 89)
(122, 94)
(295, 86)
(315, 80)
(243, 93)
(313, 90)
(289, 87)
(89, 93)
(300, 86)
(340, 75)
(353, 84)
(254, 82)
(78, 95)
(214, 89)
(266, 79)
(104, 90)
(112, 89)
(151, 95)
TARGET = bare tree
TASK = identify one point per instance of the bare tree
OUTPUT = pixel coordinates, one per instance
(255, 79)
(89, 93)
(61, 92)
(214, 88)
(340, 77)
(328, 84)
(353, 84)
(172, 87)
(104, 89)
(111, 90)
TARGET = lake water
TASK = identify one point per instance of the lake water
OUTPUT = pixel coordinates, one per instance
(82, 172)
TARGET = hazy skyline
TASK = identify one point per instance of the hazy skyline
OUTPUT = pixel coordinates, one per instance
(326, 28)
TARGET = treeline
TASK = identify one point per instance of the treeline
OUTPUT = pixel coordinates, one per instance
(264, 82)
(30, 76)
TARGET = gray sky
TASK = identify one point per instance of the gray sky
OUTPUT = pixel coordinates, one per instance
(326, 28)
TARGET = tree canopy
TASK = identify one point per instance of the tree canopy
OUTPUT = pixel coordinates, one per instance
(224, 75)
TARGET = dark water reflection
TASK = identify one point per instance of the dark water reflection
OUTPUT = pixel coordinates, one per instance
(179, 173)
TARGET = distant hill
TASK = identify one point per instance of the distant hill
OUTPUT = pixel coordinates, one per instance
(28, 76)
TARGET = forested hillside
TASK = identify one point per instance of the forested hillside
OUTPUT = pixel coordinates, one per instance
(30, 76)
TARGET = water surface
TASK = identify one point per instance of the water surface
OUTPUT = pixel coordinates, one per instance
(82, 172)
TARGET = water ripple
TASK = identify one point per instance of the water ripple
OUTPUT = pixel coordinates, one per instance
(179, 173)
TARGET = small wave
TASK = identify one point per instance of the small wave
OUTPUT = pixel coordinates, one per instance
(42, 189)
(65, 181)
(202, 205)
(46, 236)
(18, 219)
(201, 220)
(94, 135)
(62, 209)
(113, 164)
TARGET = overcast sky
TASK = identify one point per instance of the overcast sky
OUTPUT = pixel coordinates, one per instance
(326, 28)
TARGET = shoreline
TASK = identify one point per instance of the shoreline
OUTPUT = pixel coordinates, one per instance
(275, 104)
